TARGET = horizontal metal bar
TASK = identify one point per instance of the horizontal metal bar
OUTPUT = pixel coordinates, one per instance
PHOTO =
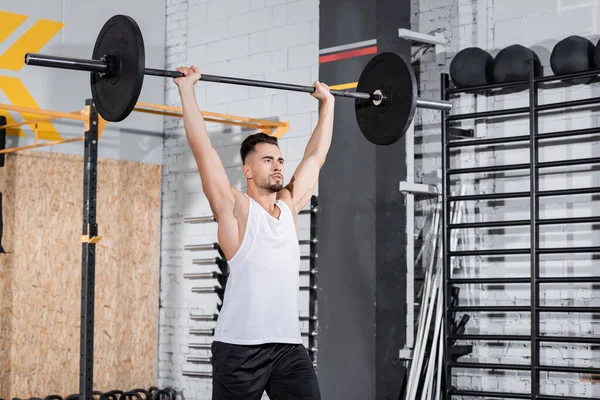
(508, 338)
(507, 85)
(485, 88)
(78, 64)
(489, 196)
(568, 192)
(213, 289)
(573, 220)
(207, 261)
(567, 309)
(490, 168)
(199, 220)
(201, 275)
(516, 367)
(314, 287)
(568, 250)
(202, 331)
(566, 339)
(521, 138)
(197, 359)
(494, 252)
(491, 281)
(313, 210)
(440, 105)
(568, 163)
(313, 333)
(527, 338)
(499, 395)
(509, 280)
(550, 78)
(486, 114)
(566, 104)
(548, 397)
(491, 308)
(487, 141)
(197, 374)
(204, 317)
(308, 241)
(489, 224)
(309, 272)
(569, 133)
(490, 252)
(202, 346)
(569, 279)
(575, 370)
(418, 188)
(516, 195)
(201, 247)
(308, 318)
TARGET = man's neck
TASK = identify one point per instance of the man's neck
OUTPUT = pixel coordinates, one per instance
(263, 197)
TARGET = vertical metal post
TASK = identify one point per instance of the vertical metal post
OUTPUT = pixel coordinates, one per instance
(446, 275)
(534, 241)
(312, 302)
(88, 268)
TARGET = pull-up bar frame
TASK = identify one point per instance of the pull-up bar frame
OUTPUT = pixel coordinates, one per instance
(274, 128)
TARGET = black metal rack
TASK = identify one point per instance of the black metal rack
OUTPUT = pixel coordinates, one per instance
(532, 85)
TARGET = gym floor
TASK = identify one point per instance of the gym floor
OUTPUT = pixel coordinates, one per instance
(459, 260)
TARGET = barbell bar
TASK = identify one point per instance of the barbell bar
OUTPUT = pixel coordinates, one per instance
(385, 97)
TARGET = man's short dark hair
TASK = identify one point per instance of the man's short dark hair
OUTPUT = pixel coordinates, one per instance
(252, 140)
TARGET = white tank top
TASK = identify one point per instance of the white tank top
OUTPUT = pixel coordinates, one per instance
(260, 303)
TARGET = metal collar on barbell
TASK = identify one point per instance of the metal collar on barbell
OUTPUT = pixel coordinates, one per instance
(385, 99)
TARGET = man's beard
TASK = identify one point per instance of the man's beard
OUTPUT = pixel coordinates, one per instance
(273, 187)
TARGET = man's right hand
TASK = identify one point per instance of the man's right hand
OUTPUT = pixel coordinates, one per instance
(191, 76)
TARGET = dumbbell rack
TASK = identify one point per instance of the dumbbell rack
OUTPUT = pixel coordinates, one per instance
(221, 276)
(536, 338)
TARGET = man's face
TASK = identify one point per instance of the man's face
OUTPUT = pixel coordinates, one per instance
(266, 167)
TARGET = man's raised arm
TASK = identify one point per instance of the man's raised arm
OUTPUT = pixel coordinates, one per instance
(306, 176)
(215, 182)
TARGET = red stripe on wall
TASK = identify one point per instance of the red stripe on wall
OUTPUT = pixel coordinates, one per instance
(347, 54)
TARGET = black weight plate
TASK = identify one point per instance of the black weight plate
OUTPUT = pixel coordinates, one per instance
(391, 74)
(115, 96)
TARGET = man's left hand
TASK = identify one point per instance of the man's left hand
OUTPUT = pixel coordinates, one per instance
(322, 92)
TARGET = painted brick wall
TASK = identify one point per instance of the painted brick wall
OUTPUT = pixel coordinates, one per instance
(493, 25)
(257, 39)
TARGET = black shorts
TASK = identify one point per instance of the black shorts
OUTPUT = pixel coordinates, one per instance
(284, 371)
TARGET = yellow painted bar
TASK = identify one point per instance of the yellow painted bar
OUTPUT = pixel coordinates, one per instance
(211, 114)
(37, 111)
(45, 144)
(344, 86)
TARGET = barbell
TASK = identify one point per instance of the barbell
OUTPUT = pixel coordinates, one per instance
(385, 97)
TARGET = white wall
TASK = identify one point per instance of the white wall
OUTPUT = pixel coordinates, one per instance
(257, 39)
(139, 137)
(493, 25)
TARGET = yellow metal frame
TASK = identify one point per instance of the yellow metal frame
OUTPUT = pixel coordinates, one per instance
(274, 128)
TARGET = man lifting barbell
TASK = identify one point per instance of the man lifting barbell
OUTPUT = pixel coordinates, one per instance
(257, 345)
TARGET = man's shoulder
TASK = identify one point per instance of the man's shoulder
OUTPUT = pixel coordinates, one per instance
(286, 197)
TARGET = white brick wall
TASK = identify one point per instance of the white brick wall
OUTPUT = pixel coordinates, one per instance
(256, 39)
(492, 25)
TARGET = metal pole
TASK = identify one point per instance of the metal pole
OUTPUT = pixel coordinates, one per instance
(534, 242)
(89, 239)
(445, 152)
